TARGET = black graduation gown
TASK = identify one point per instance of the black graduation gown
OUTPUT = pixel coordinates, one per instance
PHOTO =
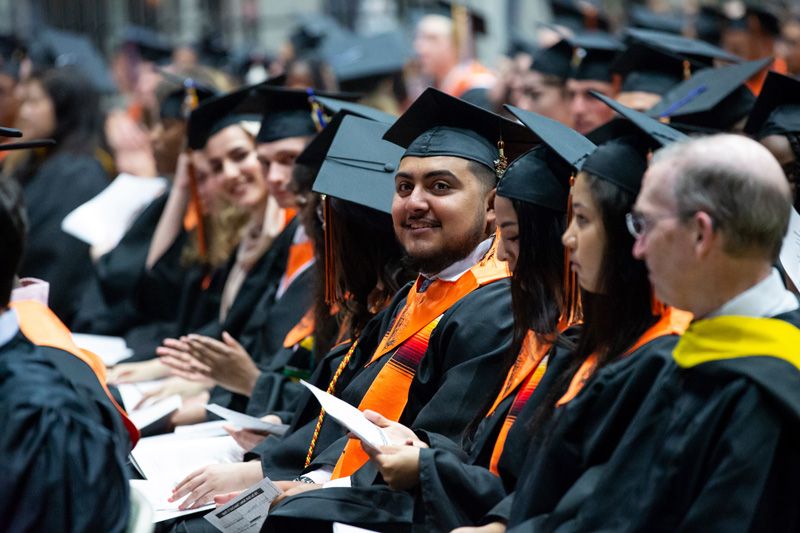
(62, 466)
(714, 447)
(108, 306)
(63, 182)
(459, 371)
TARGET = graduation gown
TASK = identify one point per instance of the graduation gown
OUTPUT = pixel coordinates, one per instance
(63, 468)
(457, 374)
(108, 306)
(711, 447)
(62, 182)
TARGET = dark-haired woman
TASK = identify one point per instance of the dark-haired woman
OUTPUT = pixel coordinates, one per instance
(626, 340)
(59, 104)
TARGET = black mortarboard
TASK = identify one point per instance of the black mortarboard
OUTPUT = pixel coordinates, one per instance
(438, 124)
(445, 8)
(659, 133)
(620, 161)
(58, 48)
(643, 17)
(360, 57)
(714, 99)
(313, 31)
(314, 152)
(541, 175)
(655, 61)
(708, 24)
(777, 108)
(219, 112)
(555, 60)
(10, 132)
(149, 44)
(173, 105)
(289, 112)
(27, 145)
(359, 166)
(592, 54)
(12, 51)
(579, 15)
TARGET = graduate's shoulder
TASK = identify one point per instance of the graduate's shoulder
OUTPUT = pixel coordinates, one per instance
(489, 301)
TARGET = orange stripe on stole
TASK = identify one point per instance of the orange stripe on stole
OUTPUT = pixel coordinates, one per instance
(42, 327)
(523, 377)
(388, 394)
(672, 322)
(300, 255)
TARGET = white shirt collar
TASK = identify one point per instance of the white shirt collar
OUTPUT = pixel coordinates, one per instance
(767, 298)
(8, 326)
(457, 269)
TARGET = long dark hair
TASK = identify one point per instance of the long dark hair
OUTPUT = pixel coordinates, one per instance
(621, 311)
(76, 105)
(537, 294)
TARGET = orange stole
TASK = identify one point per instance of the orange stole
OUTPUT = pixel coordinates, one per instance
(301, 330)
(43, 328)
(300, 255)
(526, 374)
(672, 322)
(411, 330)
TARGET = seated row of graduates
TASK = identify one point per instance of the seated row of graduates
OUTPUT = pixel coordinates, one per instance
(487, 376)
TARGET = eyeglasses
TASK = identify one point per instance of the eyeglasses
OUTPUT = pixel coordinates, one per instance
(638, 224)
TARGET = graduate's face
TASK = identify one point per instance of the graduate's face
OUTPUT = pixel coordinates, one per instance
(233, 161)
(277, 161)
(781, 149)
(586, 111)
(167, 138)
(508, 224)
(585, 236)
(208, 188)
(542, 94)
(665, 245)
(441, 210)
(37, 115)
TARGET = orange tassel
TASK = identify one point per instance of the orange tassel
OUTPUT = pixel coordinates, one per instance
(571, 312)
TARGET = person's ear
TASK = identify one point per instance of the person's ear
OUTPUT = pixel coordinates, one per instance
(703, 233)
(491, 217)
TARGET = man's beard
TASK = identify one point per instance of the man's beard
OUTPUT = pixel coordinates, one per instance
(444, 257)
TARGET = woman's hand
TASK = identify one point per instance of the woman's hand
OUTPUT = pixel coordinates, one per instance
(494, 527)
(136, 372)
(202, 485)
(226, 362)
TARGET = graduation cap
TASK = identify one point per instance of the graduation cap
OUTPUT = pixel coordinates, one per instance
(359, 165)
(714, 99)
(219, 112)
(174, 104)
(761, 15)
(777, 108)
(292, 112)
(579, 15)
(147, 43)
(541, 175)
(10, 132)
(27, 145)
(438, 124)
(448, 9)
(314, 152)
(590, 54)
(555, 60)
(359, 58)
(312, 31)
(656, 61)
(59, 48)
(621, 161)
(12, 52)
(643, 17)
(708, 24)
(659, 133)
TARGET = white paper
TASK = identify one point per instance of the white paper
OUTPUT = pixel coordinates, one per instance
(790, 251)
(103, 220)
(157, 495)
(338, 527)
(203, 429)
(247, 512)
(350, 417)
(150, 414)
(246, 421)
(111, 350)
(168, 459)
(132, 393)
(31, 289)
